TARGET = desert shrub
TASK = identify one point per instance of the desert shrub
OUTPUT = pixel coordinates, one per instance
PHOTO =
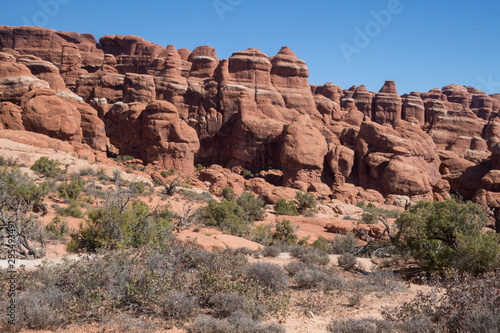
(18, 189)
(199, 167)
(322, 244)
(137, 187)
(57, 227)
(335, 282)
(87, 172)
(270, 251)
(469, 304)
(72, 189)
(115, 225)
(39, 310)
(226, 215)
(227, 193)
(363, 325)
(239, 322)
(385, 281)
(252, 206)
(313, 256)
(284, 207)
(284, 232)
(311, 278)
(295, 267)
(72, 210)
(46, 167)
(167, 173)
(305, 202)
(347, 261)
(267, 275)
(448, 234)
(177, 307)
(345, 244)
(262, 234)
(225, 305)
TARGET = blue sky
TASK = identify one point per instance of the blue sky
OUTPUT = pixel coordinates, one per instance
(420, 44)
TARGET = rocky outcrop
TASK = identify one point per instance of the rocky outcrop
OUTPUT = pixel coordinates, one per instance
(167, 139)
(387, 105)
(400, 159)
(175, 108)
(302, 152)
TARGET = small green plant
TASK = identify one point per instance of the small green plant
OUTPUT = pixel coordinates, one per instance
(167, 173)
(226, 215)
(72, 189)
(252, 206)
(137, 187)
(322, 244)
(199, 167)
(285, 232)
(227, 193)
(306, 202)
(284, 207)
(262, 234)
(57, 227)
(46, 167)
(247, 173)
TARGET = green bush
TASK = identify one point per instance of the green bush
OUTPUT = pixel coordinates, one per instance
(46, 167)
(57, 227)
(72, 189)
(233, 216)
(345, 244)
(137, 187)
(20, 190)
(448, 235)
(306, 201)
(226, 215)
(262, 234)
(252, 206)
(285, 232)
(114, 226)
(284, 207)
(227, 193)
(322, 244)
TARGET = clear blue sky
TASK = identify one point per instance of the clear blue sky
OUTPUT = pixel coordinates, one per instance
(421, 45)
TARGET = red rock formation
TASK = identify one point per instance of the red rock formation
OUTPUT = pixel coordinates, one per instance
(46, 113)
(387, 104)
(303, 152)
(167, 139)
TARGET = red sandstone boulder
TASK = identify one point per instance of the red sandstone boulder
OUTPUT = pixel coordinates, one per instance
(46, 113)
(43, 70)
(123, 124)
(303, 152)
(167, 138)
(401, 158)
(11, 117)
(15, 79)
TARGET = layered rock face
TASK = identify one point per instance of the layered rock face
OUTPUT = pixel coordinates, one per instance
(175, 107)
